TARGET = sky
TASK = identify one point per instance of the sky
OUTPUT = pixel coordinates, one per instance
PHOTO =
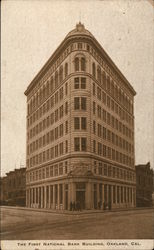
(30, 33)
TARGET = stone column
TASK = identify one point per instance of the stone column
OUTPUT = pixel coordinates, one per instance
(58, 197)
(111, 195)
(49, 198)
(119, 195)
(35, 196)
(63, 186)
(98, 198)
(41, 197)
(45, 196)
(102, 195)
(32, 197)
(88, 195)
(54, 202)
(107, 192)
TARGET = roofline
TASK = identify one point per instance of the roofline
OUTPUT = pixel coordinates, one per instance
(67, 39)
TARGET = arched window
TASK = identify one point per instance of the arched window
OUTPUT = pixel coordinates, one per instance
(61, 73)
(94, 70)
(56, 79)
(83, 64)
(66, 69)
(98, 73)
(76, 64)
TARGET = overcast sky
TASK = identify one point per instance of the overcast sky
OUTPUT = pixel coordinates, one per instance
(30, 33)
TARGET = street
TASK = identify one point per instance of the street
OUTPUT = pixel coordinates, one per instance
(22, 224)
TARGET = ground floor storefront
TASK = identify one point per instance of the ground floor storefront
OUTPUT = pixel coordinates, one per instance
(81, 193)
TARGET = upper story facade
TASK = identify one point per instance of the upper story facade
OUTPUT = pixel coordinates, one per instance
(80, 104)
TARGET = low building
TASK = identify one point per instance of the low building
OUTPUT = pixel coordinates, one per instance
(144, 185)
(13, 188)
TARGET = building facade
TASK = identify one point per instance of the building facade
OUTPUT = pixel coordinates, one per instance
(13, 188)
(144, 185)
(80, 129)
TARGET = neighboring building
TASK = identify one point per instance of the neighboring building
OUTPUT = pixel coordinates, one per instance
(80, 129)
(144, 185)
(13, 188)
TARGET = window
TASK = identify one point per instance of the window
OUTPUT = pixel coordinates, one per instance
(66, 127)
(66, 108)
(94, 108)
(80, 144)
(76, 123)
(66, 69)
(61, 73)
(98, 74)
(76, 64)
(83, 123)
(94, 146)
(83, 144)
(66, 146)
(83, 64)
(66, 88)
(77, 103)
(77, 144)
(83, 103)
(94, 127)
(56, 79)
(83, 83)
(76, 83)
(93, 70)
(93, 88)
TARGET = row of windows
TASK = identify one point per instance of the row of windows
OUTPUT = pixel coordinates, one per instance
(108, 170)
(112, 154)
(48, 154)
(47, 88)
(49, 104)
(108, 135)
(112, 121)
(111, 104)
(48, 138)
(49, 120)
(47, 172)
(80, 103)
(113, 90)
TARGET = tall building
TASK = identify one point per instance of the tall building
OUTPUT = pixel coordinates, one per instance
(80, 129)
(144, 185)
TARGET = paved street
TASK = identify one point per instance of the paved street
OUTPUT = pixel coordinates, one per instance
(31, 225)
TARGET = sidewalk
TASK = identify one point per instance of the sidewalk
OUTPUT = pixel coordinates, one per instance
(67, 212)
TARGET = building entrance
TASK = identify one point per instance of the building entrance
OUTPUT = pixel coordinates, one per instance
(80, 194)
(80, 197)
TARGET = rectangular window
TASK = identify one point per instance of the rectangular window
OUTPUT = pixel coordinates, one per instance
(83, 103)
(83, 144)
(66, 146)
(66, 127)
(76, 83)
(83, 83)
(76, 123)
(94, 146)
(76, 103)
(77, 144)
(83, 123)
